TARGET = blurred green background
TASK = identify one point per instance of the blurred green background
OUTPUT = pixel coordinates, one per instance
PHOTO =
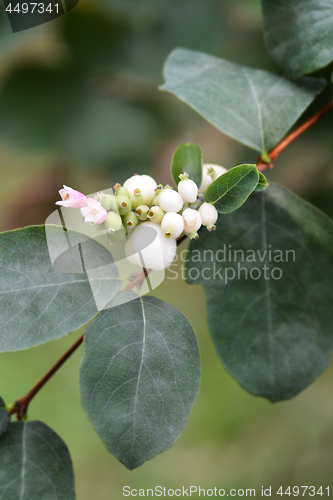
(80, 105)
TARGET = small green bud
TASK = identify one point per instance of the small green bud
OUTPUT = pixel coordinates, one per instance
(122, 191)
(124, 204)
(136, 198)
(211, 227)
(130, 219)
(117, 236)
(155, 214)
(108, 202)
(113, 222)
(142, 211)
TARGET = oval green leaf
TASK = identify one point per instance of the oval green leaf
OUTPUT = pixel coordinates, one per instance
(262, 184)
(255, 107)
(40, 302)
(299, 34)
(139, 378)
(187, 159)
(267, 271)
(34, 464)
(233, 188)
(4, 417)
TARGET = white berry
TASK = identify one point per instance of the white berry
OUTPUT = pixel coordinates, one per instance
(146, 247)
(187, 189)
(150, 181)
(146, 186)
(207, 178)
(209, 215)
(170, 201)
(192, 222)
(172, 225)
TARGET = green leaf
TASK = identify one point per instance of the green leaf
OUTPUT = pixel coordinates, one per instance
(34, 464)
(233, 188)
(262, 184)
(254, 107)
(299, 34)
(187, 158)
(4, 417)
(40, 302)
(272, 329)
(140, 378)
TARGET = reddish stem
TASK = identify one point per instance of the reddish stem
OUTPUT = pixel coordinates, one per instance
(273, 155)
(21, 405)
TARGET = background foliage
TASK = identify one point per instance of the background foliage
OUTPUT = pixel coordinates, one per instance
(73, 96)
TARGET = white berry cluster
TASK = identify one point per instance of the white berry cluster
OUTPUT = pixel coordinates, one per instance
(140, 203)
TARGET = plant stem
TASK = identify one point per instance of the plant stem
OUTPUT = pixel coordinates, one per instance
(20, 407)
(273, 155)
(181, 239)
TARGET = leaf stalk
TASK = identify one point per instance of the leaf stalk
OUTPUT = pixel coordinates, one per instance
(263, 163)
(20, 407)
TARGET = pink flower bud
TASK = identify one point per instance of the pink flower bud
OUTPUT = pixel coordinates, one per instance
(93, 212)
(71, 198)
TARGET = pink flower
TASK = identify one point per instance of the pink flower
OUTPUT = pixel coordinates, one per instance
(71, 198)
(93, 211)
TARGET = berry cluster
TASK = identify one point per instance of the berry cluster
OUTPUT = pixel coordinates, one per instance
(141, 202)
